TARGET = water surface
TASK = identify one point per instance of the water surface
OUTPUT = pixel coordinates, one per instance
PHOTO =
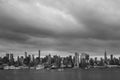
(92, 74)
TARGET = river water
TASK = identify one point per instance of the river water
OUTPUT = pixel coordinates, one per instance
(78, 74)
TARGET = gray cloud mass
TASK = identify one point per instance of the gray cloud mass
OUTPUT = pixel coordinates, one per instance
(75, 25)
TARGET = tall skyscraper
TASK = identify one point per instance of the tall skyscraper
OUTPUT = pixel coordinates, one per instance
(95, 61)
(84, 58)
(7, 55)
(119, 60)
(105, 56)
(25, 54)
(29, 57)
(76, 59)
(39, 54)
(111, 57)
(18, 59)
(33, 59)
(49, 59)
(11, 56)
(11, 59)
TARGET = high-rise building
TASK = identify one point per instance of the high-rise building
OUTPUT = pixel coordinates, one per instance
(111, 57)
(25, 54)
(76, 64)
(84, 58)
(11, 56)
(11, 59)
(33, 59)
(39, 54)
(62, 65)
(49, 59)
(82, 55)
(95, 61)
(7, 56)
(18, 59)
(29, 56)
(105, 57)
(22, 60)
(119, 60)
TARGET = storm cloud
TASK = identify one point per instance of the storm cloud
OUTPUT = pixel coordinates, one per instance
(60, 25)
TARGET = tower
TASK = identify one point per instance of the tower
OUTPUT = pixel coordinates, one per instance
(11, 59)
(76, 60)
(39, 54)
(111, 56)
(25, 54)
(33, 58)
(7, 56)
(49, 59)
(11, 56)
(105, 57)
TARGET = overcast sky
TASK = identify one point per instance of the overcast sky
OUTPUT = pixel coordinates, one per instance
(60, 25)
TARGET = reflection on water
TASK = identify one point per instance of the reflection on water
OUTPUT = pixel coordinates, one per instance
(97, 74)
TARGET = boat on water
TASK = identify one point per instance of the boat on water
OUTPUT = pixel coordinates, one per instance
(39, 67)
(6, 67)
(12, 67)
(61, 69)
(17, 68)
(69, 66)
(54, 67)
(63, 66)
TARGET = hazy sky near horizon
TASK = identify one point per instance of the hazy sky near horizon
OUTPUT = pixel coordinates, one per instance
(60, 25)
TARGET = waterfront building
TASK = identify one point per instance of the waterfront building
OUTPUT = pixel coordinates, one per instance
(33, 58)
(111, 57)
(7, 56)
(84, 60)
(62, 63)
(111, 62)
(49, 59)
(21, 60)
(105, 58)
(76, 64)
(39, 53)
(70, 62)
(29, 56)
(18, 59)
(11, 59)
(91, 62)
(119, 60)
(84, 56)
(56, 60)
(1, 61)
(25, 54)
(5, 59)
(96, 61)
(101, 63)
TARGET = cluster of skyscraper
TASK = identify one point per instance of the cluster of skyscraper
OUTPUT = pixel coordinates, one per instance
(82, 60)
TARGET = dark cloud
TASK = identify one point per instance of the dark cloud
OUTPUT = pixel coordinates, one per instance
(11, 36)
(68, 27)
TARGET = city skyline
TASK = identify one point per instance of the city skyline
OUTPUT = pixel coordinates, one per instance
(59, 53)
(89, 26)
(83, 61)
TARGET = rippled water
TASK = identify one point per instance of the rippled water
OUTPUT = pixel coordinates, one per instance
(92, 74)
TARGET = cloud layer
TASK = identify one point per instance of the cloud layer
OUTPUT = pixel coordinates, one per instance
(74, 25)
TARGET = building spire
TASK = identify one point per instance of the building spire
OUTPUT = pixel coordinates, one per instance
(105, 56)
